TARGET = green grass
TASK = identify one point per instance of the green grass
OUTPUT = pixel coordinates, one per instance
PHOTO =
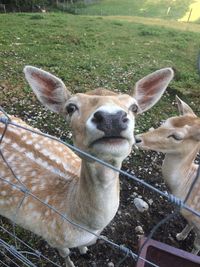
(145, 8)
(88, 52)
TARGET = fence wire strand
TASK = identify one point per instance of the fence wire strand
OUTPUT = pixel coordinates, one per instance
(12, 250)
(4, 264)
(9, 259)
(126, 251)
(36, 253)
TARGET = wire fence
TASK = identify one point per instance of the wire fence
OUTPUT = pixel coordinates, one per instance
(18, 257)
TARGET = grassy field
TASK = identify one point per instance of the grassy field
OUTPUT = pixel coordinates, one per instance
(91, 51)
(88, 52)
(165, 9)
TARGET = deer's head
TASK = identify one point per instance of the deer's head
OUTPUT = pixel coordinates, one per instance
(177, 135)
(102, 121)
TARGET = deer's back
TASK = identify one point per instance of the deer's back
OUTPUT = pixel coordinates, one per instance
(47, 168)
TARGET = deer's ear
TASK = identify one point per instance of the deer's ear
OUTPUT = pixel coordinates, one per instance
(183, 108)
(149, 89)
(49, 89)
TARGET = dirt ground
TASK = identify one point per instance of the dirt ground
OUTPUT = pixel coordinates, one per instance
(122, 230)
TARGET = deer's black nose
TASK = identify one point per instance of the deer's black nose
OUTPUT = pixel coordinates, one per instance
(111, 124)
(138, 139)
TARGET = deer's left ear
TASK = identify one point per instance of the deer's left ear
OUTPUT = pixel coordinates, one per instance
(149, 89)
(183, 108)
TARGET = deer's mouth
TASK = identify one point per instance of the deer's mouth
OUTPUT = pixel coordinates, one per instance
(110, 140)
(109, 147)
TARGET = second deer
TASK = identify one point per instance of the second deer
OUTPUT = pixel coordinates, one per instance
(179, 138)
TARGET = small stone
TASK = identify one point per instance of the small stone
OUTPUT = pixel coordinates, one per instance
(140, 204)
(150, 201)
(139, 229)
(111, 264)
(119, 212)
(134, 194)
(139, 236)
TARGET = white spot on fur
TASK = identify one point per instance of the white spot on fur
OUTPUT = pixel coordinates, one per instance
(53, 224)
(8, 179)
(34, 135)
(30, 206)
(24, 137)
(47, 213)
(60, 149)
(7, 140)
(29, 142)
(30, 155)
(2, 202)
(36, 215)
(47, 199)
(2, 173)
(42, 185)
(37, 146)
(45, 152)
(33, 173)
(45, 164)
(34, 188)
(11, 158)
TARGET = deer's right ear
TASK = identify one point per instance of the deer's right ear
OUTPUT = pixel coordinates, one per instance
(183, 108)
(49, 89)
(149, 89)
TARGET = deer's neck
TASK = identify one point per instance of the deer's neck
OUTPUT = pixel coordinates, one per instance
(96, 196)
(179, 171)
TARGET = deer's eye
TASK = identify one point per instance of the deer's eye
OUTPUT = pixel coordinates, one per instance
(71, 108)
(134, 108)
(176, 137)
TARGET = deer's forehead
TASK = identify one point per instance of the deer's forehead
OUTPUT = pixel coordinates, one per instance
(95, 101)
(181, 121)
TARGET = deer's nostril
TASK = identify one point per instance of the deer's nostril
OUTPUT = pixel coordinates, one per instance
(138, 140)
(98, 117)
(125, 120)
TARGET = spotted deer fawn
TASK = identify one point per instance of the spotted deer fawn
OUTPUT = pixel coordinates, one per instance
(179, 138)
(83, 190)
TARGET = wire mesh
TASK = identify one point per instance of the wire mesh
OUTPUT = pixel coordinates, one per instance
(20, 255)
